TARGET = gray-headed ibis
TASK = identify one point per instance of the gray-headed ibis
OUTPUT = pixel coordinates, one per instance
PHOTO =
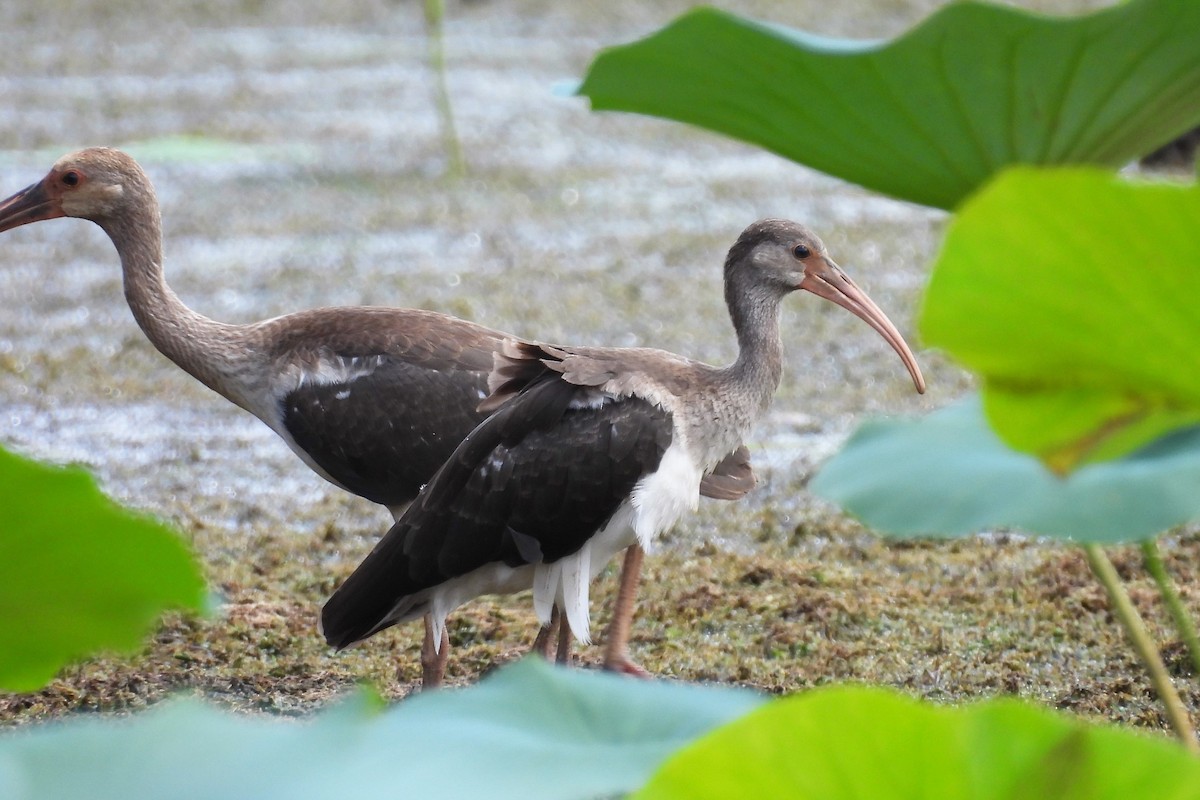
(591, 450)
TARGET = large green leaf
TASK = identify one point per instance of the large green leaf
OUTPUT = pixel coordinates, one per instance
(855, 743)
(1073, 293)
(530, 731)
(534, 731)
(931, 115)
(948, 474)
(77, 573)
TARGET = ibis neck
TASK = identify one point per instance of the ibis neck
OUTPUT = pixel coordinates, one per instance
(755, 375)
(737, 396)
(203, 347)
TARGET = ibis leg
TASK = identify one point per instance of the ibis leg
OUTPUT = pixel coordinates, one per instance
(616, 649)
(564, 643)
(541, 645)
(433, 661)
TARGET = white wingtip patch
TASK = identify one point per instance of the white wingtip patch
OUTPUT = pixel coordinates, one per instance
(565, 583)
(439, 629)
(576, 578)
(545, 589)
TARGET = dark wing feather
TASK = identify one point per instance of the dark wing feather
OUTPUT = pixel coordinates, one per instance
(731, 479)
(517, 365)
(384, 434)
(536, 477)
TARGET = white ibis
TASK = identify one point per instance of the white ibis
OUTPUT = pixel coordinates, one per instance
(372, 399)
(590, 450)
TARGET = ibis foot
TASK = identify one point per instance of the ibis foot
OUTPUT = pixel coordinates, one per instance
(623, 664)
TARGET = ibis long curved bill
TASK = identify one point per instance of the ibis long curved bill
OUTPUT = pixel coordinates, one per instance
(824, 278)
(32, 204)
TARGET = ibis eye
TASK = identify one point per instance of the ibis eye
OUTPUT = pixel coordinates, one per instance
(801, 252)
(70, 178)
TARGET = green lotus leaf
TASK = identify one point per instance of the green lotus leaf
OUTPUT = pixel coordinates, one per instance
(1072, 293)
(77, 573)
(934, 113)
(852, 743)
(529, 731)
(948, 474)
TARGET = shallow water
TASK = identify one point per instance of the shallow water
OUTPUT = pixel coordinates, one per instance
(319, 179)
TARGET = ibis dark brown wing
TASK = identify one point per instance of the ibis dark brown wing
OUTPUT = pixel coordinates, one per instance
(531, 483)
(382, 435)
